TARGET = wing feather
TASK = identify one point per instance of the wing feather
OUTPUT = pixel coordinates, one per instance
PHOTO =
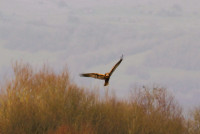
(93, 75)
(116, 65)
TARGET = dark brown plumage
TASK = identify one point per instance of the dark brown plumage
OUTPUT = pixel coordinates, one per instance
(105, 76)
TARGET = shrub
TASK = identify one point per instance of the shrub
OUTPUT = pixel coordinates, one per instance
(194, 122)
(155, 112)
(39, 102)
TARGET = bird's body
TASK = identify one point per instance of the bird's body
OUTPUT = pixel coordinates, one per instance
(105, 76)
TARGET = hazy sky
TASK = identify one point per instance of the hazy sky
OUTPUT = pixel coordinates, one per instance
(160, 41)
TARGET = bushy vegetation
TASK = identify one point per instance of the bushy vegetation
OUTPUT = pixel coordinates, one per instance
(45, 102)
(194, 122)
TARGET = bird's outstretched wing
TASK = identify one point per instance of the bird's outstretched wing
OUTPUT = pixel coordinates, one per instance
(94, 75)
(116, 65)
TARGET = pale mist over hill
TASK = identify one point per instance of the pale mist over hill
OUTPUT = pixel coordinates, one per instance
(159, 39)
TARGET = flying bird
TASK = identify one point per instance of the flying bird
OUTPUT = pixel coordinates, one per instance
(105, 76)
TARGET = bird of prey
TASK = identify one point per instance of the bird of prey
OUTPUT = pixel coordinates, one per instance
(105, 76)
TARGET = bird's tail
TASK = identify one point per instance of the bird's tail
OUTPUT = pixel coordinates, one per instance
(106, 82)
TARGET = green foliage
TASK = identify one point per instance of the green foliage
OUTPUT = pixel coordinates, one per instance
(43, 102)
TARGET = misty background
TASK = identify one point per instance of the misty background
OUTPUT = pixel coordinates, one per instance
(159, 40)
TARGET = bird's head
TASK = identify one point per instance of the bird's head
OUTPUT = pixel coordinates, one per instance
(106, 75)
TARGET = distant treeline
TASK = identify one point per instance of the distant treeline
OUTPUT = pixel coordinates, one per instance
(45, 102)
